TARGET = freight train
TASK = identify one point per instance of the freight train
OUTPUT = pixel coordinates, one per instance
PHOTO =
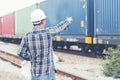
(95, 27)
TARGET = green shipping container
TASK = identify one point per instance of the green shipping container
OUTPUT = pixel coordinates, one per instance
(23, 22)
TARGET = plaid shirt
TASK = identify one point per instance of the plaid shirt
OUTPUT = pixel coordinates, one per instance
(36, 46)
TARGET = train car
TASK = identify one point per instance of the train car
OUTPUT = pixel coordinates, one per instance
(103, 24)
(23, 22)
(59, 10)
(7, 25)
(95, 27)
(13, 26)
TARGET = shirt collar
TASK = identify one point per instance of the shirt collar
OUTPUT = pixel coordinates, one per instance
(37, 28)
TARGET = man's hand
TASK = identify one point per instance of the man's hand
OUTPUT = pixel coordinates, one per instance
(69, 19)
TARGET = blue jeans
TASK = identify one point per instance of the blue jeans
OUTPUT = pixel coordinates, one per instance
(50, 76)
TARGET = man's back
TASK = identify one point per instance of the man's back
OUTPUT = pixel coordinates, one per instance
(36, 46)
(40, 48)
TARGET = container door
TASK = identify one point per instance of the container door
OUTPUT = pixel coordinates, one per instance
(107, 17)
(23, 22)
(57, 10)
(8, 25)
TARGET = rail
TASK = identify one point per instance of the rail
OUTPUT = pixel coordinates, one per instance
(16, 61)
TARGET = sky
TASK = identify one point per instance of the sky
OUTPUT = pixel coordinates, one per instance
(8, 6)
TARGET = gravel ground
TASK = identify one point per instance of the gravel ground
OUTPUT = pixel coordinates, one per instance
(90, 68)
(14, 73)
(10, 72)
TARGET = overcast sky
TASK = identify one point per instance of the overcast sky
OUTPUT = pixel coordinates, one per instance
(8, 6)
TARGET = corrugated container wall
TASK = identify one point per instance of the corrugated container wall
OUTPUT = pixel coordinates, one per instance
(23, 22)
(107, 14)
(8, 24)
(58, 10)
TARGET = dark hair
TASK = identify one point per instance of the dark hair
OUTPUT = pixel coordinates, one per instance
(37, 23)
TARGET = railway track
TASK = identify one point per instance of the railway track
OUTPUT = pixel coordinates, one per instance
(16, 61)
(72, 51)
(76, 52)
(74, 77)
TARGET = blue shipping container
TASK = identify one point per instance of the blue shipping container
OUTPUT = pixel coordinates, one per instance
(107, 16)
(58, 10)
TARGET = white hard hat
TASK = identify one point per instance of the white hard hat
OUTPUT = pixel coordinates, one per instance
(37, 15)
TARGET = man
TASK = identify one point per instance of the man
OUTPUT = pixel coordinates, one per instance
(36, 46)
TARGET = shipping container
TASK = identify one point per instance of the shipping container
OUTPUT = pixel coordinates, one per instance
(107, 17)
(8, 25)
(59, 10)
(107, 21)
(22, 21)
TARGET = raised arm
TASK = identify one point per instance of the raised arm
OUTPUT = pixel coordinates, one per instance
(60, 27)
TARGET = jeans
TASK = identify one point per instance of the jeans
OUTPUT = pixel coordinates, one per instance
(50, 76)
